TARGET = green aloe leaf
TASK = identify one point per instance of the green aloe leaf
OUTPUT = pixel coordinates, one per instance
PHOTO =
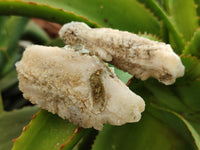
(185, 127)
(3, 55)
(104, 12)
(3, 59)
(179, 98)
(192, 69)
(176, 40)
(32, 9)
(11, 125)
(1, 104)
(48, 131)
(197, 2)
(3, 20)
(2, 23)
(13, 30)
(87, 141)
(193, 47)
(187, 87)
(149, 133)
(189, 95)
(35, 34)
(184, 17)
(8, 80)
(166, 96)
(196, 128)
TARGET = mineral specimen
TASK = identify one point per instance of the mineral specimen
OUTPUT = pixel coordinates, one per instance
(139, 56)
(76, 86)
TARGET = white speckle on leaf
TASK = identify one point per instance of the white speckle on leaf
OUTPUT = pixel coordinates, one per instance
(139, 56)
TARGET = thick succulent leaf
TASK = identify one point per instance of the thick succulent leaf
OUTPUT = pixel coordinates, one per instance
(176, 40)
(10, 64)
(35, 34)
(164, 4)
(164, 32)
(13, 30)
(193, 47)
(184, 17)
(1, 104)
(165, 96)
(11, 125)
(185, 127)
(162, 97)
(197, 2)
(149, 133)
(189, 95)
(32, 9)
(3, 21)
(87, 141)
(3, 57)
(187, 87)
(8, 80)
(196, 127)
(192, 69)
(105, 12)
(48, 131)
(182, 97)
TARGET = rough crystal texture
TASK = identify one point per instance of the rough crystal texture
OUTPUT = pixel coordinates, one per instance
(139, 56)
(77, 87)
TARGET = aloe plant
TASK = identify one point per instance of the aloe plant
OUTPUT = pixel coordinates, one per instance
(172, 116)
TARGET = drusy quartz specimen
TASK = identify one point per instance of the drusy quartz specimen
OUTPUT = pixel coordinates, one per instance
(139, 56)
(76, 86)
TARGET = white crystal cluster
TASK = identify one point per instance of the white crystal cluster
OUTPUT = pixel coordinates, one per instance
(139, 56)
(76, 86)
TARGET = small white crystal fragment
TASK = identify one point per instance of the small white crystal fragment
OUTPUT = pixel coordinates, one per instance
(139, 56)
(77, 87)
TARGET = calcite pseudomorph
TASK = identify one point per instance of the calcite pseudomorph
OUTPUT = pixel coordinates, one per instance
(76, 86)
(139, 56)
